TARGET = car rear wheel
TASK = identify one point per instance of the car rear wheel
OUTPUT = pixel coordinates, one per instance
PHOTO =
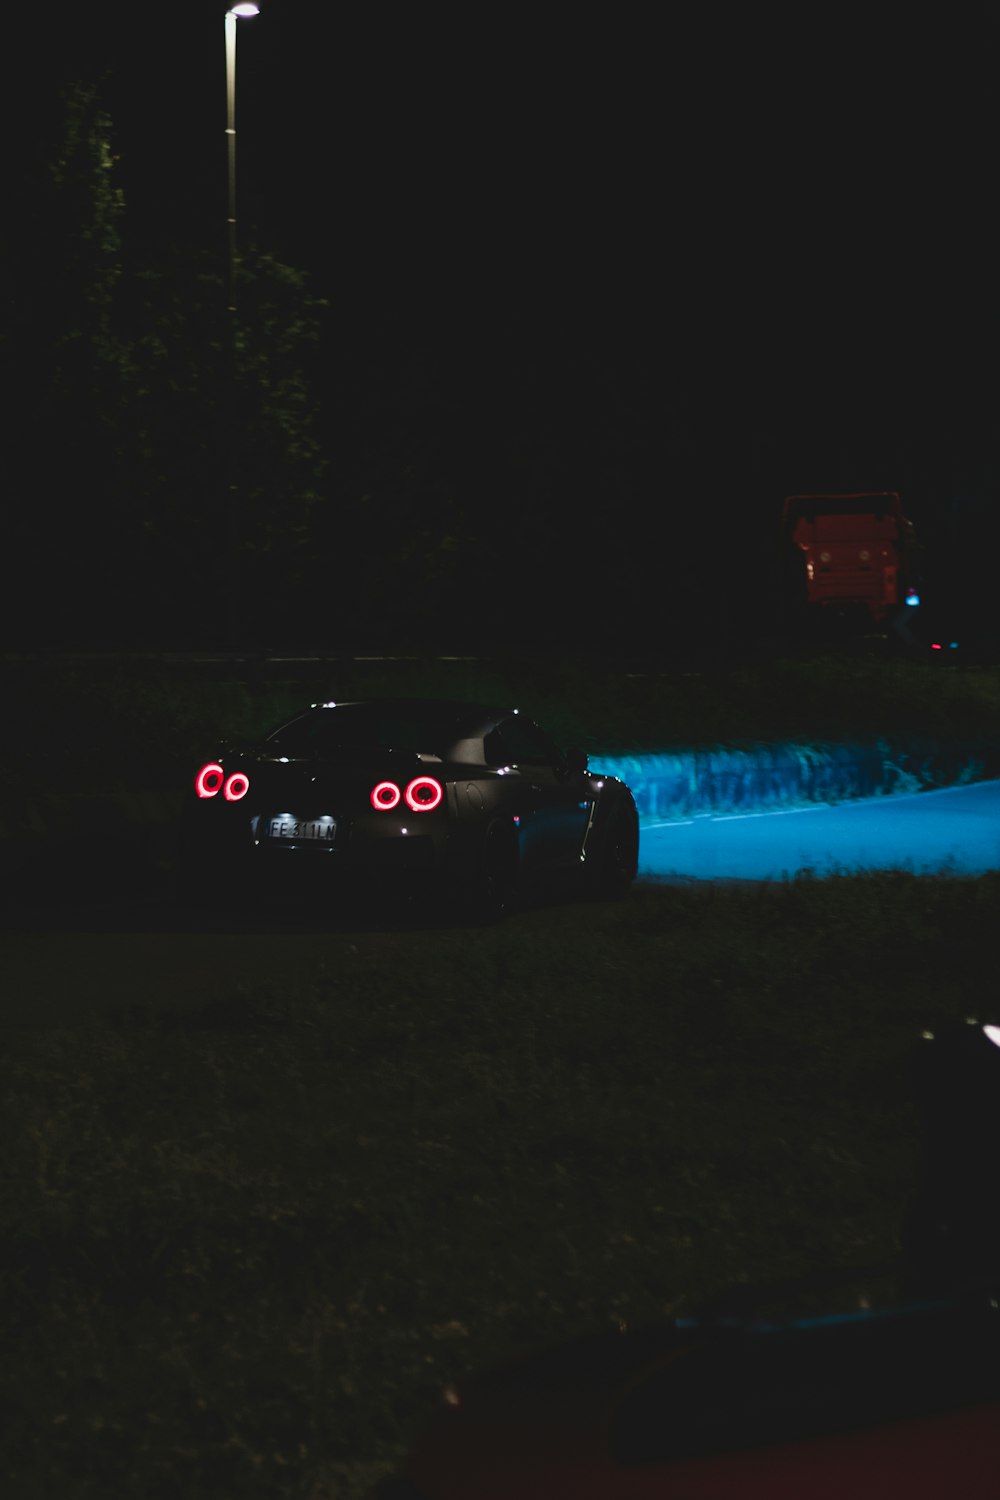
(491, 894)
(618, 859)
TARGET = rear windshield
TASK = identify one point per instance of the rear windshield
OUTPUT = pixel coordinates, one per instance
(416, 728)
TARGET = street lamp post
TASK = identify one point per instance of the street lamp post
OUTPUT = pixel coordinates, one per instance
(245, 9)
(232, 552)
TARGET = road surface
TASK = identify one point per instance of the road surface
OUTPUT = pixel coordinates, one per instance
(955, 830)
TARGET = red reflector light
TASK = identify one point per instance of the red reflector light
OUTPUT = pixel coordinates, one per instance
(237, 786)
(423, 794)
(384, 796)
(209, 780)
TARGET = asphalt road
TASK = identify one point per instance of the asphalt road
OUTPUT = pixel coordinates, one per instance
(955, 830)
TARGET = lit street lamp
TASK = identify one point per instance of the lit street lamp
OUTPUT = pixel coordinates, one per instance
(244, 9)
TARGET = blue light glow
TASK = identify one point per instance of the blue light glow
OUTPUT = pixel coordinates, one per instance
(953, 831)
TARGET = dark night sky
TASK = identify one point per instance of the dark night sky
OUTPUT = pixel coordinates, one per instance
(784, 188)
(763, 233)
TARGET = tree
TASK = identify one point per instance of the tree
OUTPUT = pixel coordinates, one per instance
(135, 413)
(223, 426)
(65, 366)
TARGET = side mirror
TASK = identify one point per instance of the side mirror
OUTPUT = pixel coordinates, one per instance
(576, 761)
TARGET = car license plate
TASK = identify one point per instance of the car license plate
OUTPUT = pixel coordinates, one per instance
(322, 830)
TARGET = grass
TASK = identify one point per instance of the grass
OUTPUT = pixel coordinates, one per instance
(247, 1240)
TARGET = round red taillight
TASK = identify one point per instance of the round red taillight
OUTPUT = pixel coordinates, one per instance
(385, 796)
(209, 780)
(423, 794)
(237, 785)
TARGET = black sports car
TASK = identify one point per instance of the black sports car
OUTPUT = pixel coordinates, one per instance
(410, 793)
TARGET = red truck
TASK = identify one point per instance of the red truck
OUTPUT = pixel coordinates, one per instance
(853, 552)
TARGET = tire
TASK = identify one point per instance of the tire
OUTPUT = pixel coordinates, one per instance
(492, 892)
(618, 857)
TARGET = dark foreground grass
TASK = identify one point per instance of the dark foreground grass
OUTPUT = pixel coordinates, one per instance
(245, 1244)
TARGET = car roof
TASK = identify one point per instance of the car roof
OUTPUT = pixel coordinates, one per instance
(398, 700)
(446, 711)
(446, 726)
